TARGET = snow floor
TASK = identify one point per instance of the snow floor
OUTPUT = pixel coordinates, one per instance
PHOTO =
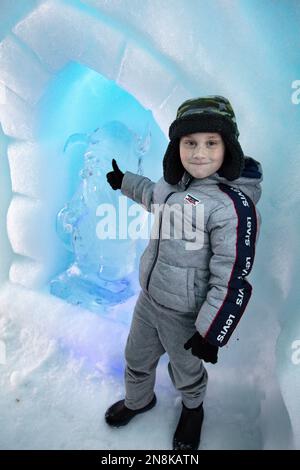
(64, 366)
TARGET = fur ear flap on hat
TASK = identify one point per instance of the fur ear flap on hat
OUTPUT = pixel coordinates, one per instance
(233, 164)
(172, 166)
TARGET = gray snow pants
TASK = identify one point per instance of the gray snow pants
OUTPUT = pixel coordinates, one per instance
(155, 330)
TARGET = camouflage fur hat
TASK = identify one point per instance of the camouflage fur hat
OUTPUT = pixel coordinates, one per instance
(207, 114)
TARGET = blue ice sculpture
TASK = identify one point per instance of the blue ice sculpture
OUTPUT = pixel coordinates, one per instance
(98, 273)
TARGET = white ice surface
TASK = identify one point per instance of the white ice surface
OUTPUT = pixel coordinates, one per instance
(64, 367)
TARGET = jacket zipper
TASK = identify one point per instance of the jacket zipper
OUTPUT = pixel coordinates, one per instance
(157, 246)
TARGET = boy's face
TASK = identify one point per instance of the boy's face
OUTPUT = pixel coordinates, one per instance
(202, 153)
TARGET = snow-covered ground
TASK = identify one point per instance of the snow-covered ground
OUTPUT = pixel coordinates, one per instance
(64, 367)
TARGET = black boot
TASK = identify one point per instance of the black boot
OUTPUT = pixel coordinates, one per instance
(119, 415)
(188, 431)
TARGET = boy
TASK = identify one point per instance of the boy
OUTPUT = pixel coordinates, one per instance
(191, 299)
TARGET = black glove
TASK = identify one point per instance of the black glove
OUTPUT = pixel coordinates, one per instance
(202, 349)
(115, 177)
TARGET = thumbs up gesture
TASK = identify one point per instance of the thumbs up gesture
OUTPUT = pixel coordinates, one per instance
(115, 177)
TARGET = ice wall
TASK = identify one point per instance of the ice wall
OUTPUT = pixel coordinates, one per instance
(161, 53)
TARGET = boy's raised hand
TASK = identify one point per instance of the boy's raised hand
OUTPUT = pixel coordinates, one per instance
(115, 177)
(202, 348)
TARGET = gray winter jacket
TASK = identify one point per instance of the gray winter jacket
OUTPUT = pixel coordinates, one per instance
(210, 277)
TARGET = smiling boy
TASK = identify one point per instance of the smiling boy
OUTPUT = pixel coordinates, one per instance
(191, 301)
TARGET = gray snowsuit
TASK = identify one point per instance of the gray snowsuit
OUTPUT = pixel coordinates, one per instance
(203, 287)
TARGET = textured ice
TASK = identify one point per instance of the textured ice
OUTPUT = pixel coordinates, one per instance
(29, 169)
(29, 273)
(76, 30)
(100, 267)
(23, 217)
(21, 71)
(17, 117)
(157, 23)
(151, 80)
(5, 197)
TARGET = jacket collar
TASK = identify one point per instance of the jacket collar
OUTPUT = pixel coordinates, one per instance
(250, 178)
